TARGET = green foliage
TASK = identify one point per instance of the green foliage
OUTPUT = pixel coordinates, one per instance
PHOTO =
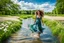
(25, 16)
(61, 36)
(7, 28)
(57, 28)
(8, 7)
(28, 12)
(59, 7)
(55, 14)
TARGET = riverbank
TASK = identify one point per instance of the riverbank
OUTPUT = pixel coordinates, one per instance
(7, 28)
(57, 28)
(9, 25)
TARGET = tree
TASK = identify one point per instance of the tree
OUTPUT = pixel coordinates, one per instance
(7, 7)
(59, 7)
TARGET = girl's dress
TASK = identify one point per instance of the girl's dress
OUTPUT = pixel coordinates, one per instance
(37, 26)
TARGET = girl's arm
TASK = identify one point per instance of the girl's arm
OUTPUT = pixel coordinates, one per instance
(42, 20)
(35, 18)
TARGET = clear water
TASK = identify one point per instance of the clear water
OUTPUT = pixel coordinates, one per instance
(24, 35)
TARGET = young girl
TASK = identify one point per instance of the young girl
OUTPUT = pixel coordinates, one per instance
(38, 21)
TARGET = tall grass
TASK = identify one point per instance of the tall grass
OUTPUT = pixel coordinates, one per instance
(7, 28)
(57, 29)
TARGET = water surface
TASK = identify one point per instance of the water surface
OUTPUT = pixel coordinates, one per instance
(24, 35)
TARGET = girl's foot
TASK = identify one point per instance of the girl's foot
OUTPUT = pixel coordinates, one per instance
(37, 36)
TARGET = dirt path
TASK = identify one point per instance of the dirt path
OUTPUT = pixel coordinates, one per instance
(54, 18)
(15, 18)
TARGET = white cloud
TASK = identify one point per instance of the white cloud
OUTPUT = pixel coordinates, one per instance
(31, 6)
(15, 1)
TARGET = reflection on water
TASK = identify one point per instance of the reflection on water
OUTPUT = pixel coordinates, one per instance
(24, 35)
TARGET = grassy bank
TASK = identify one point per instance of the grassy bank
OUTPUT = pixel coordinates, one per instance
(57, 29)
(55, 14)
(24, 17)
(7, 28)
(4, 15)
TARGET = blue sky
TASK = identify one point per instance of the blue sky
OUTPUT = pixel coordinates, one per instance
(46, 5)
(39, 1)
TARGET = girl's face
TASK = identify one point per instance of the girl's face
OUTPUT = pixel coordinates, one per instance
(38, 12)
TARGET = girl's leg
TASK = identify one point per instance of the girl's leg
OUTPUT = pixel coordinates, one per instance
(40, 31)
(40, 28)
(39, 34)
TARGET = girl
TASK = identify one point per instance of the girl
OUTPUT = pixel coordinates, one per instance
(38, 21)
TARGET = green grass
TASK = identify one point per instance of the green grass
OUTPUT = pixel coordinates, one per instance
(24, 17)
(4, 15)
(55, 14)
(57, 28)
(7, 28)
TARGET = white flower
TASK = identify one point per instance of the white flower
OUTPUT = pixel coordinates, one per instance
(5, 29)
(2, 24)
(2, 27)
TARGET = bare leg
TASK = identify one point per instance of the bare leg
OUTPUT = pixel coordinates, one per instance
(39, 34)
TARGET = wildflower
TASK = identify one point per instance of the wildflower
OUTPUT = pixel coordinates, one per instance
(2, 24)
(5, 29)
(2, 27)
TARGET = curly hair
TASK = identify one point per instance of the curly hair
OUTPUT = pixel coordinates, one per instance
(41, 13)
